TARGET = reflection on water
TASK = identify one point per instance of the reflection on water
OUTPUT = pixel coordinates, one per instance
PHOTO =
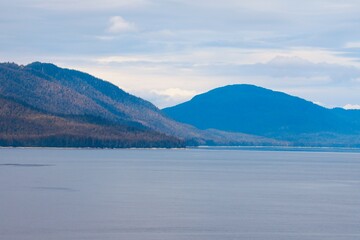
(178, 194)
(56, 189)
(23, 165)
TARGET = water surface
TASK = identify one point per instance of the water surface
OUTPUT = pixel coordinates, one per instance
(200, 194)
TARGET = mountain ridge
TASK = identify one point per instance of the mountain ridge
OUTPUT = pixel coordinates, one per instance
(78, 96)
(255, 110)
(21, 125)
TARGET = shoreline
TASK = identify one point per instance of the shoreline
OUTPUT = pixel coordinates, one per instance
(212, 148)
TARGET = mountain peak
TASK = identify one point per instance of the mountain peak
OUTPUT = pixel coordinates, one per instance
(256, 110)
(10, 65)
(233, 89)
(64, 101)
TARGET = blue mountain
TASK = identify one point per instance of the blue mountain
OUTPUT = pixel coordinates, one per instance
(259, 111)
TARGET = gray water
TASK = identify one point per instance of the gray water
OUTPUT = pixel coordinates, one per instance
(178, 195)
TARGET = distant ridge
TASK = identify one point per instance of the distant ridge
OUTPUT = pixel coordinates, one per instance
(255, 110)
(44, 105)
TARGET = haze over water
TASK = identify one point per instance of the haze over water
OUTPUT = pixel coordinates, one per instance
(199, 194)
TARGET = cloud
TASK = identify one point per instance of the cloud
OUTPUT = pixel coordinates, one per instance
(127, 59)
(287, 68)
(352, 106)
(105, 38)
(117, 24)
(296, 67)
(82, 5)
(352, 45)
(175, 92)
(309, 48)
(169, 97)
(233, 56)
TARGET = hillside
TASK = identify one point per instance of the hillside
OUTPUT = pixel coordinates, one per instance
(22, 125)
(71, 98)
(255, 110)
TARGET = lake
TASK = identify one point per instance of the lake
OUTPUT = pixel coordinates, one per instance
(200, 194)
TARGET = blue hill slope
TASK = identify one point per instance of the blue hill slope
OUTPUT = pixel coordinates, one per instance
(255, 110)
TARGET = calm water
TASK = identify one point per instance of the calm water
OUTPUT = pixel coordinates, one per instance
(178, 195)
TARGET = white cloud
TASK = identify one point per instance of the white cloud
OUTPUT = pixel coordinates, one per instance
(295, 67)
(288, 61)
(352, 45)
(352, 106)
(175, 92)
(105, 38)
(118, 24)
(222, 56)
(128, 59)
(169, 97)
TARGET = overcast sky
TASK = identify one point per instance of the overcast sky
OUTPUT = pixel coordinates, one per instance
(167, 51)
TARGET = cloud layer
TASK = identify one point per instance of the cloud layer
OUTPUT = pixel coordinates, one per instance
(117, 24)
(156, 48)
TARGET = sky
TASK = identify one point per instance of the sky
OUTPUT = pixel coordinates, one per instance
(167, 51)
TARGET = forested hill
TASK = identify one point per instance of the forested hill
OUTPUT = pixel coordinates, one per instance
(26, 126)
(255, 110)
(44, 105)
